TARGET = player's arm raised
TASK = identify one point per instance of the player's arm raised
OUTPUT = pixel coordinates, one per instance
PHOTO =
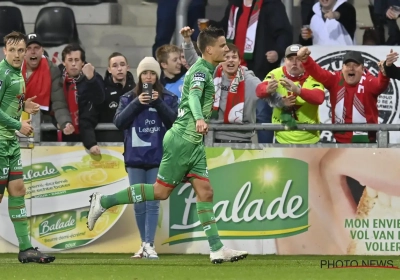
(5, 119)
(196, 90)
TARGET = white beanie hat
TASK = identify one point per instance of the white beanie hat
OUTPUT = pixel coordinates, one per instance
(148, 64)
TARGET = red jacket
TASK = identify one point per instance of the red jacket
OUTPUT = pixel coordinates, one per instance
(350, 104)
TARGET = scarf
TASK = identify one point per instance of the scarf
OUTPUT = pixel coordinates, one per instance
(39, 83)
(288, 115)
(358, 114)
(71, 96)
(251, 28)
(235, 100)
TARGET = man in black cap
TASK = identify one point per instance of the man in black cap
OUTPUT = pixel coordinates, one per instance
(42, 79)
(353, 93)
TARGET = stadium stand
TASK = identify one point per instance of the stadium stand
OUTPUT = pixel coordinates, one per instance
(10, 20)
(56, 26)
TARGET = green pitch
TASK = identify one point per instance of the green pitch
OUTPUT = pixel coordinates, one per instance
(176, 267)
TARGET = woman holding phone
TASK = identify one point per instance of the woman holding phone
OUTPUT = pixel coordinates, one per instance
(145, 114)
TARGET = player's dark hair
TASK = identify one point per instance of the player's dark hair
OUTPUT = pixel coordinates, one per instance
(233, 48)
(73, 48)
(208, 37)
(115, 54)
(14, 38)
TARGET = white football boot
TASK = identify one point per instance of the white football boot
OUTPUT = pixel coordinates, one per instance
(95, 210)
(227, 255)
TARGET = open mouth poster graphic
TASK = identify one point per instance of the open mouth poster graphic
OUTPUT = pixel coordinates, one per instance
(285, 201)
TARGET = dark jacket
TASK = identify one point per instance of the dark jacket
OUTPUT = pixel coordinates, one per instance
(106, 111)
(392, 71)
(144, 127)
(90, 94)
(274, 33)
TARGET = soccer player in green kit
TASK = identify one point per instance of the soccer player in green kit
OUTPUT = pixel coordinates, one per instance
(183, 150)
(12, 89)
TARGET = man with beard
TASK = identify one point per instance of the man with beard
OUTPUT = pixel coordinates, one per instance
(117, 81)
(353, 93)
(42, 80)
(291, 80)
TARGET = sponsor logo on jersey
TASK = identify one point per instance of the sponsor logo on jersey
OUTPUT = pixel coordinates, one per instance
(113, 105)
(388, 101)
(201, 77)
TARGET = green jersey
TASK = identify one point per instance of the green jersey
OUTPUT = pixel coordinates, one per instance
(12, 89)
(197, 100)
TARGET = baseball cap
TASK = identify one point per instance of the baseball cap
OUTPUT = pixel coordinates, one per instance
(292, 50)
(33, 38)
(353, 56)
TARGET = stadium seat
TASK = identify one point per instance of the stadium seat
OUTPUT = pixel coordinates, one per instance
(56, 26)
(83, 2)
(10, 20)
(31, 2)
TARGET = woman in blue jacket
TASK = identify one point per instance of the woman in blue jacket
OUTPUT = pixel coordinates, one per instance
(145, 120)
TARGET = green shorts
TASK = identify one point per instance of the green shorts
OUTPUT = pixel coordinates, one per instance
(10, 163)
(181, 161)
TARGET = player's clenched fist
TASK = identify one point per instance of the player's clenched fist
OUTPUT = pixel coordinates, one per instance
(201, 127)
(303, 53)
(26, 128)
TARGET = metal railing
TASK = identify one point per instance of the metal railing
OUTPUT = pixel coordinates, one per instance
(381, 129)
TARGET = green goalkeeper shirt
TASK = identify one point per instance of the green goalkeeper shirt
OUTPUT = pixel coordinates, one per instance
(12, 89)
(197, 100)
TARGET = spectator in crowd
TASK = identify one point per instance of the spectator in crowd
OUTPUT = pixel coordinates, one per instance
(390, 69)
(83, 89)
(389, 10)
(145, 119)
(183, 59)
(353, 93)
(42, 79)
(291, 80)
(235, 91)
(331, 22)
(173, 72)
(166, 20)
(117, 81)
(261, 30)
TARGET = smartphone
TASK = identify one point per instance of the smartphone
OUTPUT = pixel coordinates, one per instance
(148, 88)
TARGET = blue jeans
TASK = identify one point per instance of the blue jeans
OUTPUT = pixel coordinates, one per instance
(166, 20)
(264, 115)
(146, 212)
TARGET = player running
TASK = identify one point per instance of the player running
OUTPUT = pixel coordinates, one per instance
(12, 88)
(184, 155)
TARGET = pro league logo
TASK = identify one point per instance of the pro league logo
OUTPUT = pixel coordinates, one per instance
(387, 101)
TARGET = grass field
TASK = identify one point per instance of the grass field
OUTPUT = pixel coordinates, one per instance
(176, 267)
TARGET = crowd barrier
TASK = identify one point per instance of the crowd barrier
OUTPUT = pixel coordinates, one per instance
(325, 198)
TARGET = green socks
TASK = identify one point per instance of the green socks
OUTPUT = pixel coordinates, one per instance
(17, 212)
(131, 195)
(206, 216)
